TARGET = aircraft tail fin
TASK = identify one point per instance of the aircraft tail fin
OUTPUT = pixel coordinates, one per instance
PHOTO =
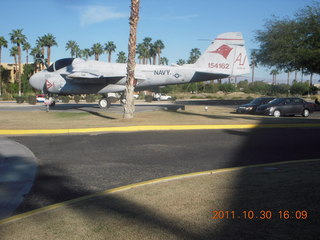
(226, 55)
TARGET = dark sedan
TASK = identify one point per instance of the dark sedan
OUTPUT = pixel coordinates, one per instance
(252, 106)
(286, 106)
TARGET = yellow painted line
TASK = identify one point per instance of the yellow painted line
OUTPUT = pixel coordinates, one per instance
(131, 186)
(153, 128)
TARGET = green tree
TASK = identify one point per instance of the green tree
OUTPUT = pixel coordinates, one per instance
(227, 87)
(181, 62)
(164, 61)
(309, 28)
(194, 55)
(274, 74)
(36, 52)
(26, 47)
(97, 50)
(3, 44)
(49, 41)
(86, 53)
(18, 38)
(299, 88)
(159, 46)
(121, 57)
(110, 47)
(293, 43)
(72, 46)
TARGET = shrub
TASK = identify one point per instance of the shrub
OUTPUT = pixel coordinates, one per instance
(19, 99)
(90, 98)
(77, 98)
(32, 100)
(65, 99)
(148, 98)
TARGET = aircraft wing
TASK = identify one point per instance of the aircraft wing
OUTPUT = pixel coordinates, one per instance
(93, 78)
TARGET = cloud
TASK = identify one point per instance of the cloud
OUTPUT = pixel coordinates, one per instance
(96, 14)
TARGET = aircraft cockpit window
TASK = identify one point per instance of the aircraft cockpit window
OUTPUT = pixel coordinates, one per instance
(62, 63)
(50, 69)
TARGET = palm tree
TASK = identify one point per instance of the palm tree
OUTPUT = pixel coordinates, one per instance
(164, 61)
(97, 50)
(134, 18)
(122, 57)
(49, 41)
(153, 53)
(72, 46)
(109, 48)
(274, 74)
(146, 49)
(40, 45)
(159, 46)
(3, 43)
(25, 47)
(13, 53)
(36, 52)
(181, 62)
(194, 55)
(86, 53)
(253, 63)
(140, 51)
(18, 38)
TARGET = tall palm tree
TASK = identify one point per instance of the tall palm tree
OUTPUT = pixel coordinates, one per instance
(86, 53)
(36, 52)
(49, 41)
(134, 18)
(164, 61)
(274, 74)
(72, 46)
(25, 47)
(97, 50)
(181, 62)
(13, 53)
(194, 55)
(109, 48)
(40, 45)
(253, 63)
(3, 43)
(146, 49)
(159, 46)
(121, 57)
(140, 50)
(153, 53)
(17, 37)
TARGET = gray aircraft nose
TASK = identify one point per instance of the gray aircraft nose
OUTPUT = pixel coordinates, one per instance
(37, 80)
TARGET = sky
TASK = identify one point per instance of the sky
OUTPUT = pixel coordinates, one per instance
(180, 24)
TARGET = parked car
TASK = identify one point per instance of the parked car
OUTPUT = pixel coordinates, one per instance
(40, 97)
(252, 106)
(286, 106)
(161, 97)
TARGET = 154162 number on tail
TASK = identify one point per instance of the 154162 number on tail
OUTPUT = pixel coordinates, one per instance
(219, 65)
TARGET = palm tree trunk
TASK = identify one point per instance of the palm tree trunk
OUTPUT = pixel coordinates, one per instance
(48, 55)
(19, 70)
(129, 104)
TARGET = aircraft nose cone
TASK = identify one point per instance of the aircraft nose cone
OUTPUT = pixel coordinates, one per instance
(36, 81)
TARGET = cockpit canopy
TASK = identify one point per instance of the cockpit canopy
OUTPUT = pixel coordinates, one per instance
(61, 63)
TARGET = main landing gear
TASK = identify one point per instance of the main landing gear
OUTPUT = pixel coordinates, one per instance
(104, 103)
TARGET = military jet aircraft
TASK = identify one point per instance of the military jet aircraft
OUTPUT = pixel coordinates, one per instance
(226, 56)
